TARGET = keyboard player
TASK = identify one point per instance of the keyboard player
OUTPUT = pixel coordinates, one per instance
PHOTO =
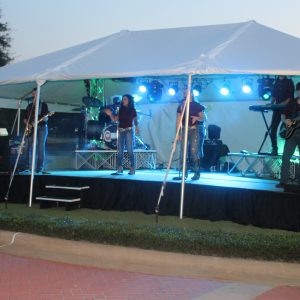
(282, 94)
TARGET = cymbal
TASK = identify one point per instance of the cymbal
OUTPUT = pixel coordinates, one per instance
(91, 102)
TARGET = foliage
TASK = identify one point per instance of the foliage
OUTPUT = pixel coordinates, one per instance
(216, 242)
(5, 41)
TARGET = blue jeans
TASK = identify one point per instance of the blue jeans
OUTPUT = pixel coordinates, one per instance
(42, 134)
(288, 151)
(196, 138)
(128, 137)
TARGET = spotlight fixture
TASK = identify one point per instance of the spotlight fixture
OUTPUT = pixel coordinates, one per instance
(247, 86)
(137, 98)
(197, 89)
(143, 87)
(173, 89)
(155, 90)
(224, 90)
(265, 87)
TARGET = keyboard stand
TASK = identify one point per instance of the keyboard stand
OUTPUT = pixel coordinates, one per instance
(268, 132)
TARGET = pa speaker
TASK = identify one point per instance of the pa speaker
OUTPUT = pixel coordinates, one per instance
(4, 153)
(214, 132)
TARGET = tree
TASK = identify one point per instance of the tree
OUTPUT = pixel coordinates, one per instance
(5, 40)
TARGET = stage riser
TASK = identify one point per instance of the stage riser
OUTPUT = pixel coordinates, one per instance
(107, 159)
(260, 208)
(262, 166)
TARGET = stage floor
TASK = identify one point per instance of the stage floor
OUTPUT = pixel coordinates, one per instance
(207, 178)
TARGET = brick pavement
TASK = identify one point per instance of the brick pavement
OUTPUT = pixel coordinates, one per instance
(35, 279)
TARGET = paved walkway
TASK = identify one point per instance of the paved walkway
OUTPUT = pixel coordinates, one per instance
(35, 267)
(31, 279)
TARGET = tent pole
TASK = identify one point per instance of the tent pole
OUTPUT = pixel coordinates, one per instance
(186, 125)
(37, 103)
(19, 118)
(170, 162)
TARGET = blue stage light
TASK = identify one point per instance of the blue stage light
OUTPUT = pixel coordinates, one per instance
(137, 98)
(172, 91)
(143, 88)
(224, 90)
(155, 90)
(247, 86)
(196, 93)
(246, 89)
(265, 87)
(197, 89)
(267, 94)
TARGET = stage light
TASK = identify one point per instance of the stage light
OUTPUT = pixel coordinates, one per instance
(143, 88)
(224, 90)
(155, 90)
(265, 87)
(197, 89)
(173, 89)
(266, 94)
(247, 87)
(137, 98)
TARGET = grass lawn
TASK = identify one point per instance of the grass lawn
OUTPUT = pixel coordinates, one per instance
(137, 229)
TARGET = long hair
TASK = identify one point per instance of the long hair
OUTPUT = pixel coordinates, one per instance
(130, 101)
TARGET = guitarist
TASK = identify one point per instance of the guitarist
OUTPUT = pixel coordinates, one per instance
(291, 117)
(196, 135)
(282, 94)
(42, 132)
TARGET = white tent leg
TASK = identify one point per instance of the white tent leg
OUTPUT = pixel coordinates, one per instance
(170, 160)
(188, 98)
(37, 103)
(19, 119)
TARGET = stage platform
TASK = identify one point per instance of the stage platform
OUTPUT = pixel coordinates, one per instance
(216, 196)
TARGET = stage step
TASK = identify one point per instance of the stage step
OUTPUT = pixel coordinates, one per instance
(74, 188)
(57, 199)
(70, 196)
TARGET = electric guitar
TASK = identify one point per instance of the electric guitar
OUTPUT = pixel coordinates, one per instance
(29, 127)
(288, 131)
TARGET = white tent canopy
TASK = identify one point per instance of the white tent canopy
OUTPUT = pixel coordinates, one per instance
(242, 48)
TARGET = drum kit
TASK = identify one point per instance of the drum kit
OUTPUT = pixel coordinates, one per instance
(100, 131)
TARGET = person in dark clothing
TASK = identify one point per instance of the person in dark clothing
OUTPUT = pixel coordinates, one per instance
(126, 117)
(42, 132)
(283, 93)
(196, 135)
(290, 118)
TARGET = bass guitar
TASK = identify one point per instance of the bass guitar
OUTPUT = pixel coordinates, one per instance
(29, 127)
(287, 132)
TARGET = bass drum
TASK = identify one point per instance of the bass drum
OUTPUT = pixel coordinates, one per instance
(110, 136)
(94, 130)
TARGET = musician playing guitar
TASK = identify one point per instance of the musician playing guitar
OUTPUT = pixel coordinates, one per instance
(291, 118)
(42, 132)
(282, 95)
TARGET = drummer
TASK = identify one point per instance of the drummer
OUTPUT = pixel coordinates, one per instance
(103, 117)
(115, 106)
